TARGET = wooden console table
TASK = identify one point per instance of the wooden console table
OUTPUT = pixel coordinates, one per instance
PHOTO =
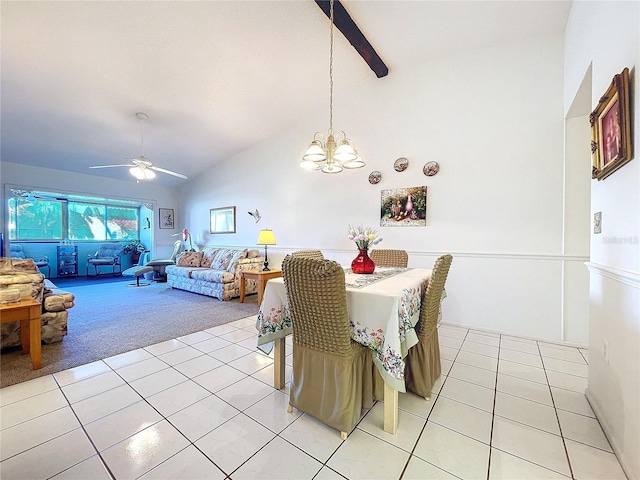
(27, 311)
(261, 277)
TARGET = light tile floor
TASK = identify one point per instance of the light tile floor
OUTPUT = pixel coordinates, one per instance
(203, 406)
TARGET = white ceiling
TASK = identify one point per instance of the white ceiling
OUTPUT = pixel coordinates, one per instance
(215, 77)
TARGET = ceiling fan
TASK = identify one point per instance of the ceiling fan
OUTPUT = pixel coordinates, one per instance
(141, 167)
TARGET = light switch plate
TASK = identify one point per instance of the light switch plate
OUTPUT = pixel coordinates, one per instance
(597, 222)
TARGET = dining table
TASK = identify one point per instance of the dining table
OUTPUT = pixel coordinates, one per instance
(383, 309)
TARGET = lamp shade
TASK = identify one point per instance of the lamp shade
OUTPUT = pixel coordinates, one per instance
(345, 153)
(355, 163)
(315, 152)
(266, 237)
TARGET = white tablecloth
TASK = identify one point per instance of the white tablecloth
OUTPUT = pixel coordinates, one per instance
(382, 317)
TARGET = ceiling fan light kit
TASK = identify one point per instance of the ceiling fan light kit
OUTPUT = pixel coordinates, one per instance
(141, 167)
(329, 157)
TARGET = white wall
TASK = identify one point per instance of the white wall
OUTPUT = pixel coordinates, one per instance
(65, 182)
(614, 377)
(493, 119)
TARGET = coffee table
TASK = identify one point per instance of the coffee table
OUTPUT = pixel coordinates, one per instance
(27, 311)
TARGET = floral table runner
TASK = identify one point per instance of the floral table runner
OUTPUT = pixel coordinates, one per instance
(355, 280)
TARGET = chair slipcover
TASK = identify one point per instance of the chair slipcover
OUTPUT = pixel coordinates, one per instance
(423, 359)
(332, 375)
(389, 258)
(308, 254)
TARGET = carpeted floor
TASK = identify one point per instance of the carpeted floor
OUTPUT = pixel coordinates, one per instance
(111, 318)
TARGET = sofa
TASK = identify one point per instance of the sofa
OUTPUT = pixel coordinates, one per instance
(23, 275)
(214, 271)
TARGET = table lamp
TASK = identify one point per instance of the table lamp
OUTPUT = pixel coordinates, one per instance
(265, 238)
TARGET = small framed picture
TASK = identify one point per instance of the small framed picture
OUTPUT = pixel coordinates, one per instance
(611, 131)
(167, 218)
(222, 220)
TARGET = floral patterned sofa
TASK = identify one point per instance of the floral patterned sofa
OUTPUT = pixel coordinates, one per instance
(214, 271)
(23, 275)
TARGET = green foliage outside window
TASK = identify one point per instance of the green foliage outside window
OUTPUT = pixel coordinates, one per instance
(35, 220)
(42, 219)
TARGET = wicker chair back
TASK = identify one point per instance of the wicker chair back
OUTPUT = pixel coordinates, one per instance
(430, 307)
(317, 299)
(385, 257)
(308, 254)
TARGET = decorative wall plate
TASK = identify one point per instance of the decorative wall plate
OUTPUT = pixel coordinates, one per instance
(401, 164)
(431, 168)
(375, 177)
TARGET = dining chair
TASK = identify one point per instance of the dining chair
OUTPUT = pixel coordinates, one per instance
(308, 254)
(423, 359)
(386, 257)
(332, 375)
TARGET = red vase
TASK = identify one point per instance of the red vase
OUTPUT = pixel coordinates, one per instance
(362, 263)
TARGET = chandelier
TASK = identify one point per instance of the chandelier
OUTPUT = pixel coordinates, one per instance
(329, 157)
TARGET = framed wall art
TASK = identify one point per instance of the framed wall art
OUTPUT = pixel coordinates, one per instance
(222, 220)
(611, 145)
(167, 218)
(403, 207)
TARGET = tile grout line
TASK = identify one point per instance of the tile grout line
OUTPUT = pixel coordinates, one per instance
(555, 410)
(95, 448)
(411, 453)
(493, 411)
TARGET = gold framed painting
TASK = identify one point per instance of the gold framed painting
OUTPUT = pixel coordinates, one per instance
(611, 133)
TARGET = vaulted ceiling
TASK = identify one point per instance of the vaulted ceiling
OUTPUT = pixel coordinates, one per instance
(213, 76)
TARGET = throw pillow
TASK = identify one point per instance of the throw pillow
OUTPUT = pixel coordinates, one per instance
(208, 255)
(253, 253)
(190, 259)
(237, 255)
(221, 262)
(227, 257)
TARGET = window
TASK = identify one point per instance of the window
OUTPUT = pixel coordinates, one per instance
(35, 220)
(49, 218)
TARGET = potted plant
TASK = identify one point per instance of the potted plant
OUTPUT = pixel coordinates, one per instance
(135, 248)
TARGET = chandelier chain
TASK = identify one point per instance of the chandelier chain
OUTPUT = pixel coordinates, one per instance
(331, 71)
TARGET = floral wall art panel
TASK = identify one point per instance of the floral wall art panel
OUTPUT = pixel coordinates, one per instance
(403, 207)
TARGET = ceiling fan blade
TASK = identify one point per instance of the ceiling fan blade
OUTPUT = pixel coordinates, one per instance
(164, 170)
(109, 166)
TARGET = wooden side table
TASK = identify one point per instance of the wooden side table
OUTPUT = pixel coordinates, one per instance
(27, 311)
(261, 277)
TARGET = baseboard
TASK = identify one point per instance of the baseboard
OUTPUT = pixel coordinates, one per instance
(607, 432)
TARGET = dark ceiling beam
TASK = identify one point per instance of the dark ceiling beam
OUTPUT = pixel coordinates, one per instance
(343, 22)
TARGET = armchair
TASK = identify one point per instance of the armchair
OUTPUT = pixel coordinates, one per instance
(159, 265)
(24, 276)
(107, 255)
(42, 262)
